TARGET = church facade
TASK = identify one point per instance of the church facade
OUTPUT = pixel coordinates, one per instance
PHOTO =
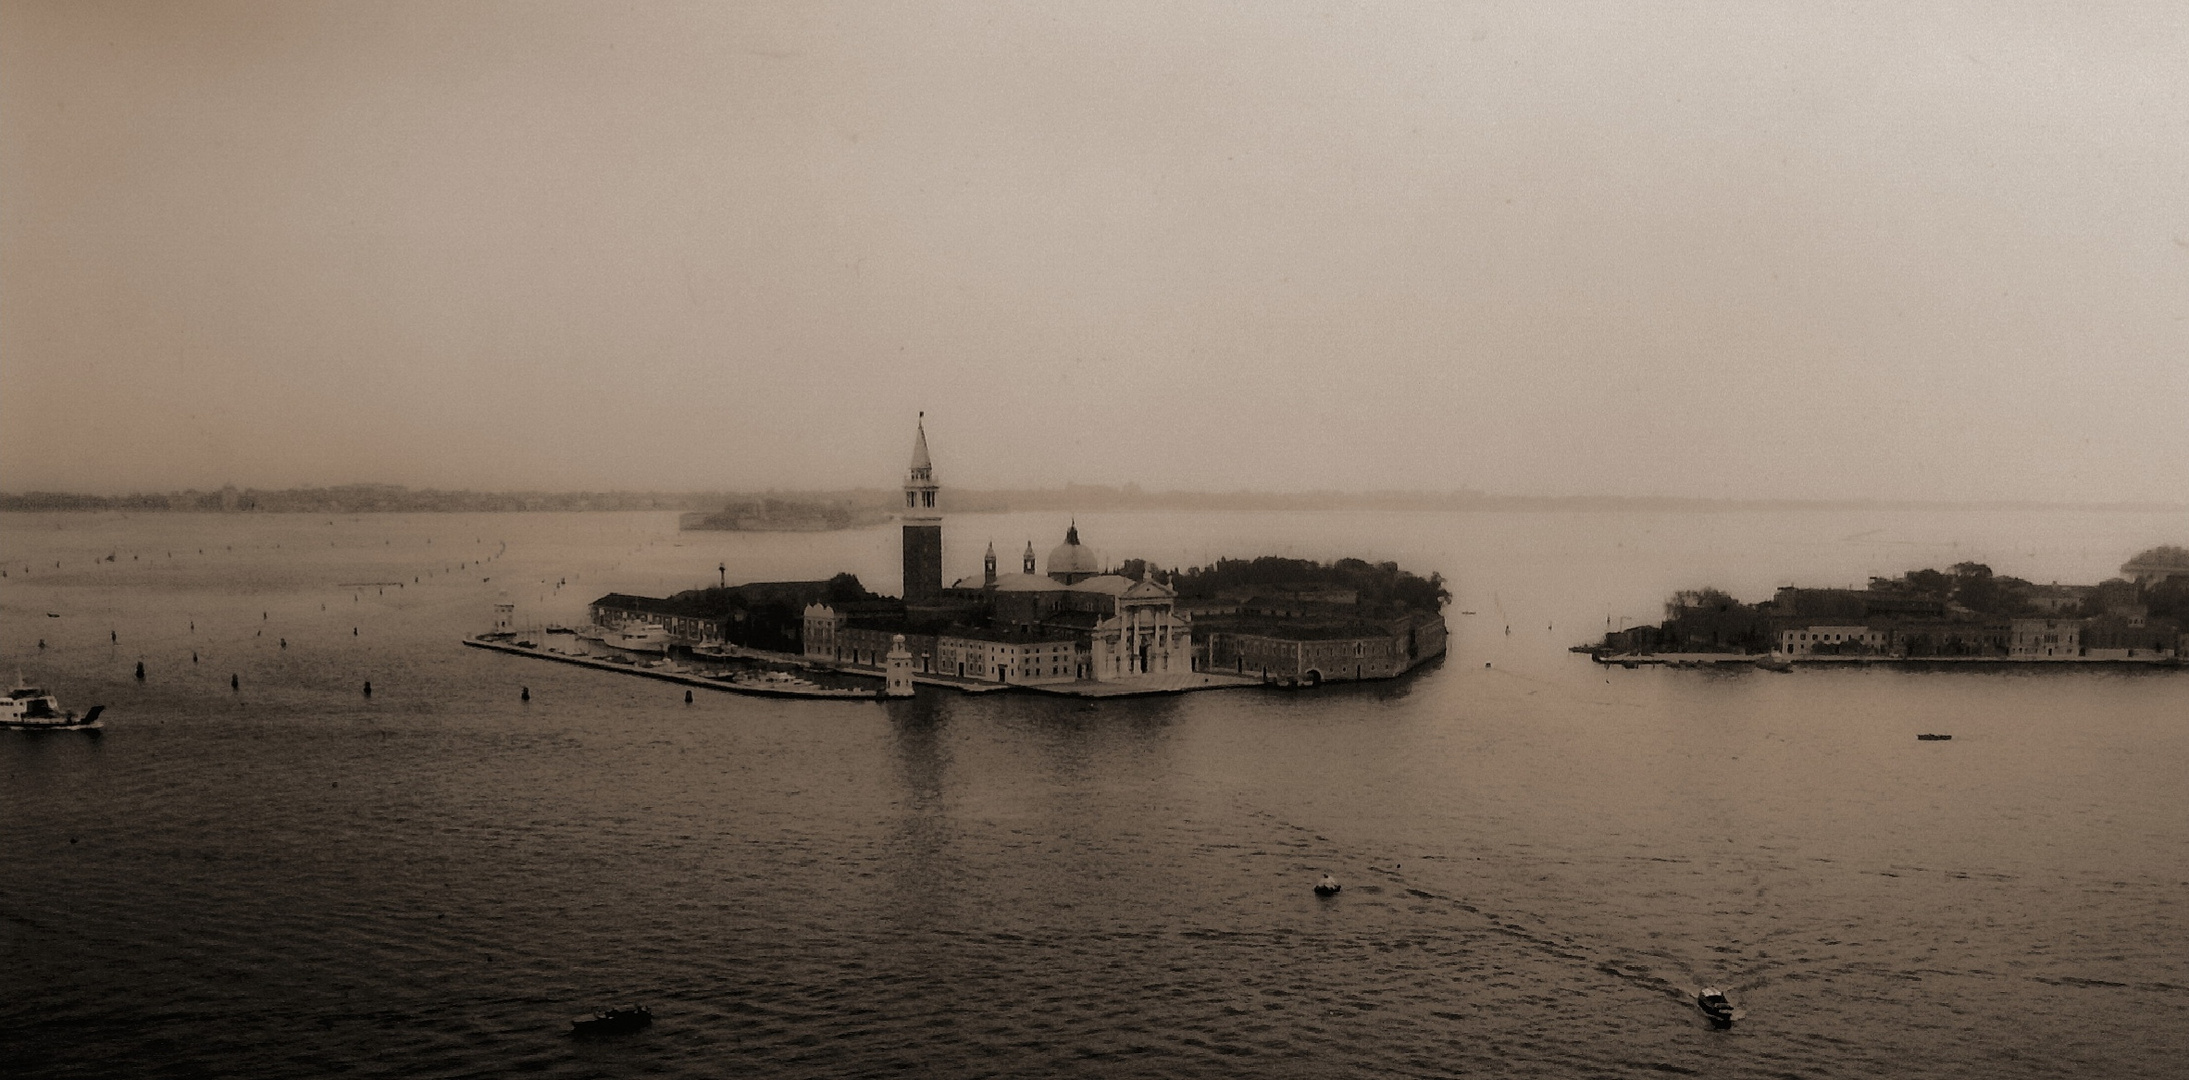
(1062, 622)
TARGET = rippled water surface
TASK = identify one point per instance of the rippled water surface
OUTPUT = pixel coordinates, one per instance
(1540, 855)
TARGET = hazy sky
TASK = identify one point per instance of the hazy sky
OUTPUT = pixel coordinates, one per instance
(1740, 249)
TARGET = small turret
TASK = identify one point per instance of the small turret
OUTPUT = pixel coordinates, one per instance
(988, 566)
(899, 676)
(1029, 560)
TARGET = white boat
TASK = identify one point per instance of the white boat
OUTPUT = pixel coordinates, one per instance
(32, 709)
(638, 638)
(1712, 1001)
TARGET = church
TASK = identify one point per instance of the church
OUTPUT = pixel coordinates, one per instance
(1063, 621)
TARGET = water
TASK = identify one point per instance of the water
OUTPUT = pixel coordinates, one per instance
(1539, 854)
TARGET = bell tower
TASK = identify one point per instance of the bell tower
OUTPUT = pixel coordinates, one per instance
(922, 525)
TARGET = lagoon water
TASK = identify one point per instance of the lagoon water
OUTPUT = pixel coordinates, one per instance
(1540, 855)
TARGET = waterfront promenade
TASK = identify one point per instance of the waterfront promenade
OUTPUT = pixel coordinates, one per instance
(1183, 682)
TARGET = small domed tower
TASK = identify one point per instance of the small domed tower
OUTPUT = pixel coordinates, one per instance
(988, 566)
(1028, 562)
(900, 668)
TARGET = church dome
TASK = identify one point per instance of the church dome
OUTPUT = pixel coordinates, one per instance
(1071, 557)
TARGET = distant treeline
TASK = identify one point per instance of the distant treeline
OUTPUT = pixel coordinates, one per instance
(772, 514)
(369, 499)
(1965, 609)
(864, 503)
(1377, 587)
(1099, 497)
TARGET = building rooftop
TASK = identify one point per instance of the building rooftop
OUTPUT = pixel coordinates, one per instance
(1023, 583)
(1012, 635)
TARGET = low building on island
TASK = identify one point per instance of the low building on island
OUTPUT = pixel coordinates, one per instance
(1965, 613)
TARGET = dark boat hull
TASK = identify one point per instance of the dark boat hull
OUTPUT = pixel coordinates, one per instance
(613, 1022)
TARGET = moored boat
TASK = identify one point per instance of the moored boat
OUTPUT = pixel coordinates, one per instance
(638, 638)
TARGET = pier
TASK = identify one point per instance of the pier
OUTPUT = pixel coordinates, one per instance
(686, 678)
(1182, 682)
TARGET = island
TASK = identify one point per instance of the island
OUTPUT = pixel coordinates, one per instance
(1075, 623)
(1963, 613)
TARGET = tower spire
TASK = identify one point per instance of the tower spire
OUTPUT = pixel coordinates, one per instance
(922, 466)
(922, 523)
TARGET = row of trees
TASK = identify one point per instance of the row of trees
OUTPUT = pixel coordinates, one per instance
(1973, 586)
(1965, 599)
(1379, 585)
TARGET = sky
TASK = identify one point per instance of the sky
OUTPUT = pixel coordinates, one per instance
(1720, 250)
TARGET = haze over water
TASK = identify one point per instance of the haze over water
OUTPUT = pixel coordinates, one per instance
(1540, 854)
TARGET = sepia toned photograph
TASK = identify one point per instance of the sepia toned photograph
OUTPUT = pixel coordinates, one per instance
(573, 538)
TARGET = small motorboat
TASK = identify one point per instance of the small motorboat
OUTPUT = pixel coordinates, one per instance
(1712, 1001)
(1328, 886)
(621, 1021)
(1928, 737)
(32, 709)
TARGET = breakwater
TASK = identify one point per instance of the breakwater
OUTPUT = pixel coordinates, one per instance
(686, 678)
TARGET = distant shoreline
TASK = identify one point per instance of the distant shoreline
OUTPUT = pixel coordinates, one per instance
(379, 499)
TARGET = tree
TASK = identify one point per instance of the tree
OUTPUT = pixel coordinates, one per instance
(2169, 599)
(1688, 602)
(845, 589)
(1973, 587)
